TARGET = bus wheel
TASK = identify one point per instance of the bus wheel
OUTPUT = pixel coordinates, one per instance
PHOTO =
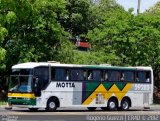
(104, 108)
(125, 104)
(33, 109)
(91, 108)
(51, 105)
(112, 104)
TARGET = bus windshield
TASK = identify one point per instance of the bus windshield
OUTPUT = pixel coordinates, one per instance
(21, 81)
(20, 84)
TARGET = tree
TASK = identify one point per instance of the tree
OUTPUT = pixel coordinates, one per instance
(76, 17)
(123, 31)
(154, 9)
(109, 36)
(30, 31)
(3, 33)
(101, 10)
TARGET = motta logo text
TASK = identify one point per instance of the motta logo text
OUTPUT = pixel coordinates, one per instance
(65, 84)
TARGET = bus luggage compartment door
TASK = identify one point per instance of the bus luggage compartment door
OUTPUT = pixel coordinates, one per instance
(146, 100)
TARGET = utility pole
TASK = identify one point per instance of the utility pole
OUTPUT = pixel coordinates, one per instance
(138, 8)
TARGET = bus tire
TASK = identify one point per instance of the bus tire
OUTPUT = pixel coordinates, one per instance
(33, 109)
(125, 104)
(112, 104)
(52, 105)
(91, 108)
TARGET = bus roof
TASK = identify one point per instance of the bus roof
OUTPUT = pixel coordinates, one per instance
(31, 65)
(36, 64)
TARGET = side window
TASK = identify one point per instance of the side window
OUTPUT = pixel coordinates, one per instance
(43, 74)
(143, 76)
(140, 76)
(61, 74)
(97, 75)
(114, 75)
(148, 76)
(42, 71)
(90, 75)
(85, 75)
(76, 74)
(94, 75)
(52, 73)
(104, 75)
(127, 76)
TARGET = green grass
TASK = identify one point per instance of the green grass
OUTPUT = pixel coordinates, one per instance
(3, 102)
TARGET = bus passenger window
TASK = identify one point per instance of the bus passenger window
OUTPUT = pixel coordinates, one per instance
(128, 76)
(90, 75)
(122, 76)
(96, 75)
(52, 73)
(114, 75)
(148, 76)
(102, 75)
(106, 76)
(67, 74)
(60, 74)
(85, 75)
(137, 79)
(141, 76)
(43, 74)
(77, 74)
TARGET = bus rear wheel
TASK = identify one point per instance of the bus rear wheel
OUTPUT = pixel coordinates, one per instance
(91, 108)
(125, 104)
(51, 105)
(112, 105)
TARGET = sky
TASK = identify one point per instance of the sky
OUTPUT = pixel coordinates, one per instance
(145, 4)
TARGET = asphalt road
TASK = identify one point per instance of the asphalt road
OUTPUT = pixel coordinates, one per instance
(80, 114)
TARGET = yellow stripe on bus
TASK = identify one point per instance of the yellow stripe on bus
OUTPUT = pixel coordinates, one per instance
(107, 94)
(23, 95)
(93, 95)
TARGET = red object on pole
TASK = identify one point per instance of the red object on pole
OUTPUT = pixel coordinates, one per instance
(83, 44)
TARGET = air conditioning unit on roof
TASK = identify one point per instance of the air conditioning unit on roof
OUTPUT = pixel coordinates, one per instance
(53, 62)
(105, 64)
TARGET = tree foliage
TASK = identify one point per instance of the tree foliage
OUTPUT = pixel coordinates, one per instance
(123, 31)
(34, 34)
(154, 9)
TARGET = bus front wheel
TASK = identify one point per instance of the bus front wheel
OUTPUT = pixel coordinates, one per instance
(51, 105)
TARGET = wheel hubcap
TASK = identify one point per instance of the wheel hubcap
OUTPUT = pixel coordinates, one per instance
(112, 105)
(52, 105)
(125, 105)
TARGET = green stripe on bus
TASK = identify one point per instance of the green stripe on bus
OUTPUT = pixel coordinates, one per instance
(90, 87)
(109, 67)
(22, 101)
(107, 85)
(120, 85)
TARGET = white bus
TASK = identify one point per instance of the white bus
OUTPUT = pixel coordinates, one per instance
(53, 85)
